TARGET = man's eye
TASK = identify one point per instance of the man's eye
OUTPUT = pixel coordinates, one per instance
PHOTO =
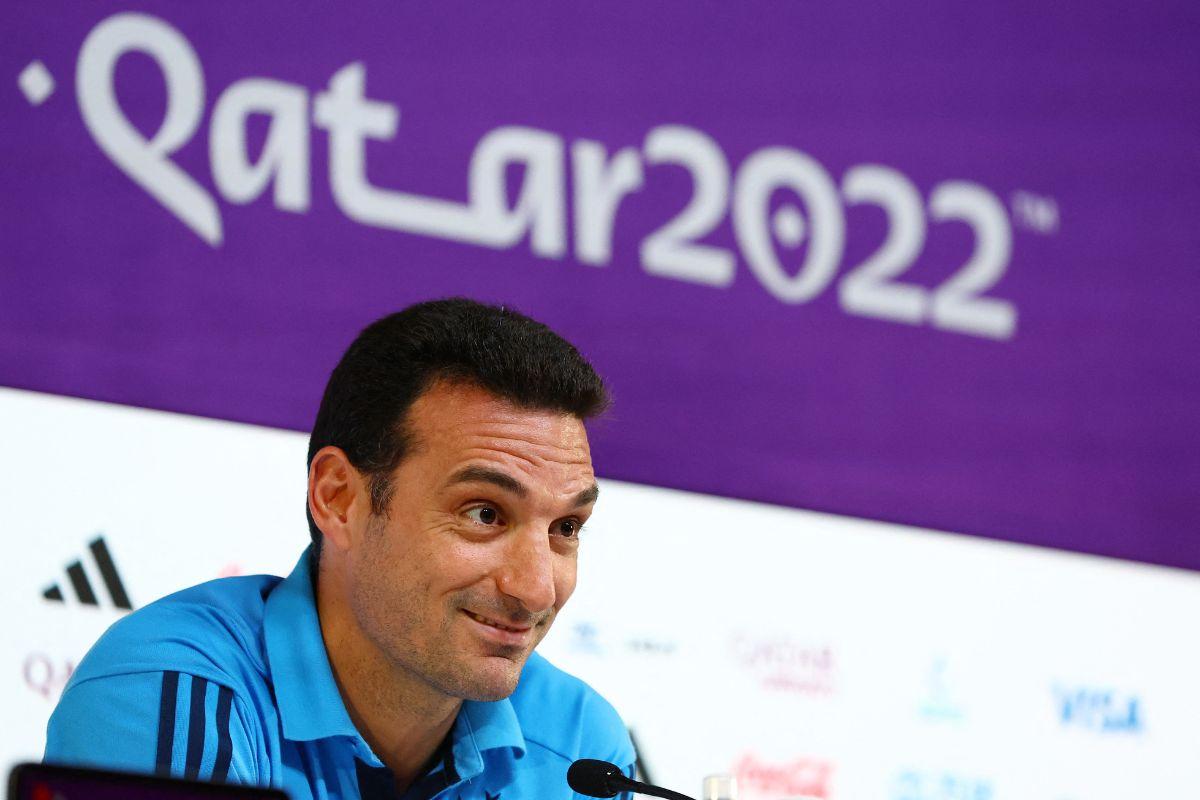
(485, 515)
(568, 527)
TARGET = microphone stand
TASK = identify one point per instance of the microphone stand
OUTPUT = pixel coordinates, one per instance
(637, 787)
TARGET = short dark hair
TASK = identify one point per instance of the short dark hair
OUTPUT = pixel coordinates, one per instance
(395, 359)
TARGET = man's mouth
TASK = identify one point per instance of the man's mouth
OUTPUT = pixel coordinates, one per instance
(496, 623)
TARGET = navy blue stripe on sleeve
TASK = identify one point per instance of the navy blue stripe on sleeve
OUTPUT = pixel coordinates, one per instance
(196, 728)
(224, 740)
(166, 723)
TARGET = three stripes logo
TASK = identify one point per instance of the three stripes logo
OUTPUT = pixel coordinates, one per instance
(82, 587)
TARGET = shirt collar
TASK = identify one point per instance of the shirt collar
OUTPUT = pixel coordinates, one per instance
(484, 726)
(310, 705)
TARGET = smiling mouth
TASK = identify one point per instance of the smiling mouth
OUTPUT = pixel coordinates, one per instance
(494, 624)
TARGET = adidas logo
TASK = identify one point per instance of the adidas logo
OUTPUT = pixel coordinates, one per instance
(82, 587)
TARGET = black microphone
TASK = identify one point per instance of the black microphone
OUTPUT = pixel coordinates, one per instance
(602, 779)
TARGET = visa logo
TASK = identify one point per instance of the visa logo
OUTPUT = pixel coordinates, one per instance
(1104, 710)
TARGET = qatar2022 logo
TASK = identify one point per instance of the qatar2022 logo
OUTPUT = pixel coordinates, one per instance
(770, 237)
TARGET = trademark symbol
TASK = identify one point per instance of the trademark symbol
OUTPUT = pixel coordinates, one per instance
(1035, 212)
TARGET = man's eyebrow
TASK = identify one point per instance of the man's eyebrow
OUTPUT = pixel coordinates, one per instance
(492, 476)
(511, 484)
(587, 496)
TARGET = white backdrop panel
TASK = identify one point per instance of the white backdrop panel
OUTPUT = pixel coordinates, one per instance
(810, 654)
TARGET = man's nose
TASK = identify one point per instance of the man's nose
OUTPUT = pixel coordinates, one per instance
(527, 573)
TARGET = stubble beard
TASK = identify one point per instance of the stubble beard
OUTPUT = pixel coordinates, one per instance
(448, 662)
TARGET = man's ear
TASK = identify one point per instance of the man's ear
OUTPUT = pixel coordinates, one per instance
(336, 491)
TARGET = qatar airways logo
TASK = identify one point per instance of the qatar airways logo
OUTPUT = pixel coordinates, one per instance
(793, 249)
(788, 665)
(46, 675)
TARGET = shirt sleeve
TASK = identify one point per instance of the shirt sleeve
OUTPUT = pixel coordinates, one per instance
(166, 723)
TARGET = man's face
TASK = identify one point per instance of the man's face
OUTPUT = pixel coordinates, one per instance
(464, 574)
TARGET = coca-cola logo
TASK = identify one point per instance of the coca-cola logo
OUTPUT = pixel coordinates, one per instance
(786, 664)
(801, 777)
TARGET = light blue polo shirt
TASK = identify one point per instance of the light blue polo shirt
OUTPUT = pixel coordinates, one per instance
(229, 681)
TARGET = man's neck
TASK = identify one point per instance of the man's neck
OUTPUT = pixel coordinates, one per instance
(402, 718)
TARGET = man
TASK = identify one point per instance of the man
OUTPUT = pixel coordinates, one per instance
(449, 477)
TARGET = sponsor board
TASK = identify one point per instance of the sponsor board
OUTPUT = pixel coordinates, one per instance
(704, 670)
(816, 276)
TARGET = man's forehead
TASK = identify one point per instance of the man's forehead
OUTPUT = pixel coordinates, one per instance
(457, 416)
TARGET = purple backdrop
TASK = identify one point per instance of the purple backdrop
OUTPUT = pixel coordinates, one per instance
(1076, 429)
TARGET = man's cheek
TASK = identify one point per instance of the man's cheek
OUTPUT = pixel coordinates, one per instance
(564, 584)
